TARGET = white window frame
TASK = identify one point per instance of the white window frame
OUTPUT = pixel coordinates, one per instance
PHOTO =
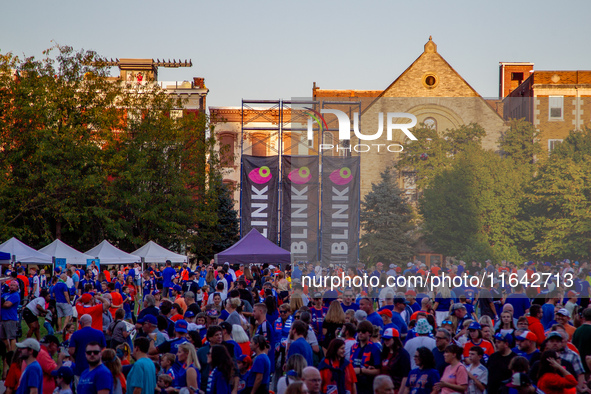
(552, 144)
(555, 100)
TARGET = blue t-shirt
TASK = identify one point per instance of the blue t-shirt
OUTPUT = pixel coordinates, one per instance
(12, 312)
(167, 276)
(421, 381)
(217, 383)
(262, 365)
(300, 346)
(79, 340)
(520, 304)
(32, 377)
(353, 306)
(548, 310)
(58, 292)
(91, 382)
(143, 375)
(375, 319)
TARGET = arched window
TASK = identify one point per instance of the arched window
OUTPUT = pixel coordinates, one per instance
(259, 146)
(430, 123)
(227, 149)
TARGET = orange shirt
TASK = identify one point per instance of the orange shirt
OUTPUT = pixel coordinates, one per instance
(95, 311)
(107, 275)
(117, 302)
(485, 345)
(26, 282)
(181, 301)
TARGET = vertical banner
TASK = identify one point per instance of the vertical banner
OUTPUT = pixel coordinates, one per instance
(259, 199)
(299, 213)
(340, 209)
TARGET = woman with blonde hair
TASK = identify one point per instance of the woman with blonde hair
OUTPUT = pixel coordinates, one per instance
(296, 302)
(334, 319)
(189, 375)
(124, 353)
(293, 372)
(241, 338)
(113, 364)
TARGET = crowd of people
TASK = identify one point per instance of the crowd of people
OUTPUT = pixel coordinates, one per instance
(252, 329)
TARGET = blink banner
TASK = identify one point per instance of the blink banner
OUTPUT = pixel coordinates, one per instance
(259, 198)
(299, 216)
(340, 209)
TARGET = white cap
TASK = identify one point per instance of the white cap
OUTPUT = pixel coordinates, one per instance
(29, 343)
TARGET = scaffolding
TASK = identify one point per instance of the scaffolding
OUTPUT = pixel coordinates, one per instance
(265, 124)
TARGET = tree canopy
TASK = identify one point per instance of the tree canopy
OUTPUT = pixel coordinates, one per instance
(88, 158)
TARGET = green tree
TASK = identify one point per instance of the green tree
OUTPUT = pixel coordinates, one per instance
(88, 158)
(470, 210)
(520, 143)
(556, 223)
(434, 152)
(387, 222)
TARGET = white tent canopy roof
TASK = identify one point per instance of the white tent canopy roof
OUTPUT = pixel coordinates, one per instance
(60, 250)
(24, 253)
(108, 254)
(154, 253)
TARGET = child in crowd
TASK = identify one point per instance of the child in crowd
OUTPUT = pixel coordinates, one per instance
(63, 379)
(166, 363)
(477, 373)
(164, 382)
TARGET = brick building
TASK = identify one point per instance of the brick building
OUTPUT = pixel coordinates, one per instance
(556, 102)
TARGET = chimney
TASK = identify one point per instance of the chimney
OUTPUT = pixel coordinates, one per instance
(199, 82)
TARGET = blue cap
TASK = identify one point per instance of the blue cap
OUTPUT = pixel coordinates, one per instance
(181, 326)
(177, 288)
(547, 264)
(189, 314)
(506, 338)
(474, 326)
(63, 372)
(149, 319)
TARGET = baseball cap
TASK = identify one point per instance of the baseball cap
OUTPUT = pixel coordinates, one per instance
(527, 335)
(50, 339)
(317, 295)
(244, 358)
(572, 294)
(554, 334)
(519, 380)
(563, 312)
(505, 338)
(149, 319)
(177, 288)
(392, 265)
(386, 312)
(400, 300)
(189, 314)
(409, 264)
(458, 305)
(390, 333)
(85, 298)
(29, 343)
(474, 326)
(63, 372)
(213, 313)
(181, 326)
(411, 293)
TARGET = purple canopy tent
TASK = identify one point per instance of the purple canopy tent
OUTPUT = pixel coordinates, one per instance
(253, 248)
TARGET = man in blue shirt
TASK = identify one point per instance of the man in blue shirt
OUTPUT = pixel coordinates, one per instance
(80, 339)
(348, 301)
(519, 301)
(142, 376)
(61, 294)
(96, 379)
(31, 381)
(367, 306)
(365, 357)
(10, 303)
(299, 331)
(167, 276)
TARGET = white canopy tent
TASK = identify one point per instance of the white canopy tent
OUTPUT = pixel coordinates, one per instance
(108, 254)
(154, 253)
(60, 250)
(24, 253)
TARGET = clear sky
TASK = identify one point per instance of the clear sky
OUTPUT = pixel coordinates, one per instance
(277, 49)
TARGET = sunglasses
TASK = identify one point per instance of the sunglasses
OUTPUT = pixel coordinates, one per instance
(282, 312)
(92, 352)
(447, 322)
